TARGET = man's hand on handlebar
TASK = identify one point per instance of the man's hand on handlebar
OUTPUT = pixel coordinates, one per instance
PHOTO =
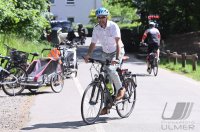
(143, 44)
(86, 58)
(114, 62)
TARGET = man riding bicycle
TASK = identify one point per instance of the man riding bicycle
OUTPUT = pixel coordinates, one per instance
(108, 34)
(153, 40)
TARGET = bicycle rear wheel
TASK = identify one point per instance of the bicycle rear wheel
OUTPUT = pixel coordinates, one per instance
(150, 69)
(13, 80)
(91, 103)
(57, 82)
(125, 108)
(155, 67)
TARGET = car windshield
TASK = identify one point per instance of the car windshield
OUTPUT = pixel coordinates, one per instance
(66, 24)
(60, 24)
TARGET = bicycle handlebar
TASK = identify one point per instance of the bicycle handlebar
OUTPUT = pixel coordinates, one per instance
(5, 57)
(45, 49)
(143, 44)
(92, 60)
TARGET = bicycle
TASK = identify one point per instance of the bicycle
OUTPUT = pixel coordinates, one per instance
(152, 60)
(11, 77)
(69, 58)
(20, 57)
(95, 94)
(153, 63)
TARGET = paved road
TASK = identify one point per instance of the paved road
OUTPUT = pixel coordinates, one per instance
(61, 112)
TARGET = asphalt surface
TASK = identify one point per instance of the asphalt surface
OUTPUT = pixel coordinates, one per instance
(168, 102)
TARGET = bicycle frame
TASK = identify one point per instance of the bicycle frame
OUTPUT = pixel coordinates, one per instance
(98, 94)
(99, 79)
(3, 73)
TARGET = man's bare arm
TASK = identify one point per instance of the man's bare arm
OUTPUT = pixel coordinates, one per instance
(89, 53)
(91, 48)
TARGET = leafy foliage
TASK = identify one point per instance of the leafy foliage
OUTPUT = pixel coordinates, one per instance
(23, 17)
(92, 17)
(118, 12)
(121, 13)
(176, 16)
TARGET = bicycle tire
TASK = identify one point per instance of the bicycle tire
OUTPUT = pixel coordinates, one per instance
(92, 97)
(150, 69)
(76, 67)
(14, 88)
(75, 73)
(155, 67)
(125, 107)
(57, 83)
(32, 89)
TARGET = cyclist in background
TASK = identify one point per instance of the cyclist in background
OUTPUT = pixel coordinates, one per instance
(82, 33)
(108, 34)
(153, 40)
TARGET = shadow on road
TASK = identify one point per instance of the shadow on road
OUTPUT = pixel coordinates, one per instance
(68, 125)
(28, 94)
(61, 125)
(37, 93)
(142, 75)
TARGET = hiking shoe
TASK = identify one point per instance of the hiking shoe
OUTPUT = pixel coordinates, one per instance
(104, 111)
(120, 94)
(148, 69)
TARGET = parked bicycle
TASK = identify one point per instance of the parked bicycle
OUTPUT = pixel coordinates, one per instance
(69, 58)
(11, 76)
(152, 59)
(97, 93)
(21, 58)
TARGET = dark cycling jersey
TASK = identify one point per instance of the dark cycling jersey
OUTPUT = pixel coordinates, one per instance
(152, 35)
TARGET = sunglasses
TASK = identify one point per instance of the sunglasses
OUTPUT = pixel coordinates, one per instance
(102, 17)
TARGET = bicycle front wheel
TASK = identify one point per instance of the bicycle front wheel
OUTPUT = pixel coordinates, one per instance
(91, 103)
(125, 108)
(12, 81)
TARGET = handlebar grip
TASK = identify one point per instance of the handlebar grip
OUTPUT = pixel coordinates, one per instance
(45, 49)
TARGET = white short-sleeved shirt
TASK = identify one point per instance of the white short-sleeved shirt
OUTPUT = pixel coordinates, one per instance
(106, 37)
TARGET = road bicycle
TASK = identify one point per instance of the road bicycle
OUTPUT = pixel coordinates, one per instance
(97, 93)
(152, 59)
(11, 76)
(153, 63)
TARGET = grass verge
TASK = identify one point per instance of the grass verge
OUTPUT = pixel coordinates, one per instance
(23, 45)
(187, 70)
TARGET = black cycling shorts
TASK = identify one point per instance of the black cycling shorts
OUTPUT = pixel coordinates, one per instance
(152, 47)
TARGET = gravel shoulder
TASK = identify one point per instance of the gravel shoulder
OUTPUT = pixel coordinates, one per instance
(14, 111)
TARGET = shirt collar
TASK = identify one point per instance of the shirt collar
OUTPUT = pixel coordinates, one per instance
(108, 24)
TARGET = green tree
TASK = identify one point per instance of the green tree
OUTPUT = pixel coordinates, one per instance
(23, 17)
(121, 13)
(118, 12)
(176, 16)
